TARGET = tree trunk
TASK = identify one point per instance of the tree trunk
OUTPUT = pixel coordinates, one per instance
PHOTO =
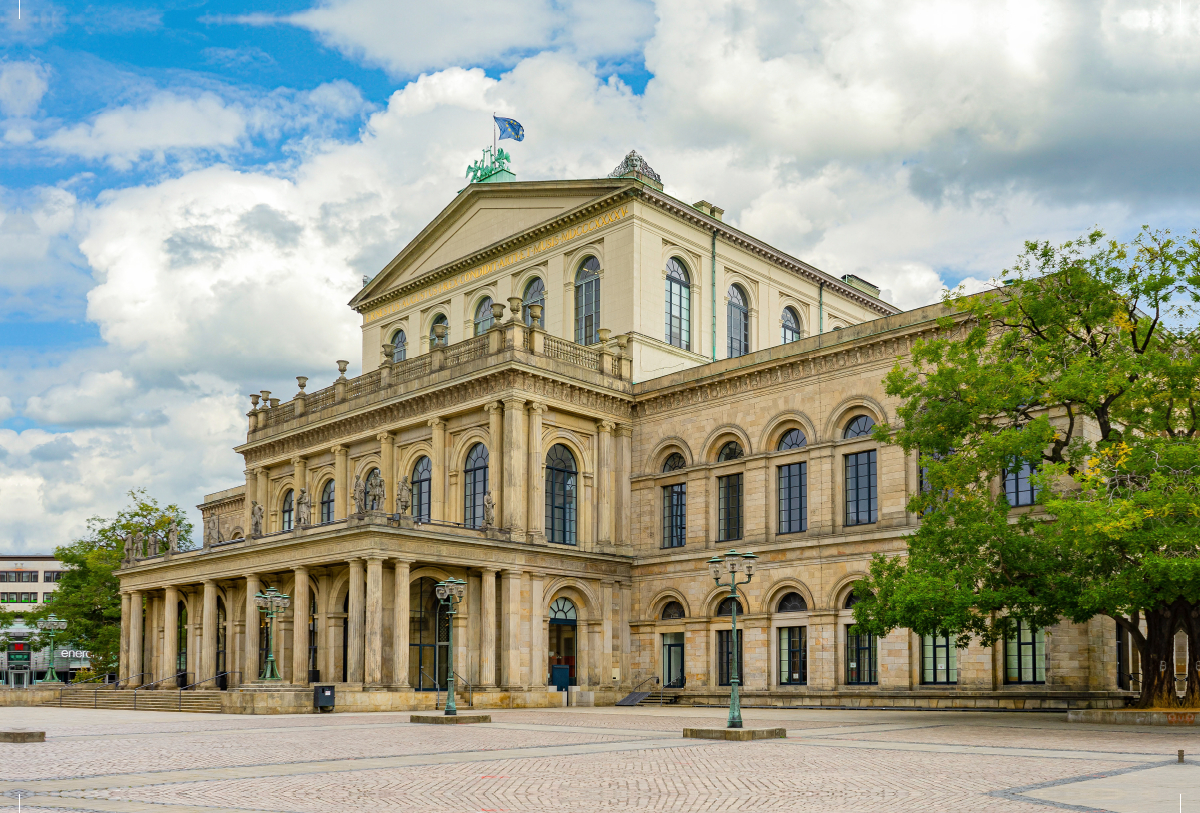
(1158, 661)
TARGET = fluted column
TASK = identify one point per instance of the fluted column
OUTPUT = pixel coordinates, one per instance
(208, 634)
(400, 642)
(341, 486)
(136, 650)
(539, 663)
(510, 629)
(624, 470)
(301, 604)
(170, 663)
(354, 624)
(606, 633)
(533, 469)
(487, 628)
(496, 462)
(387, 470)
(123, 663)
(604, 472)
(437, 483)
(514, 465)
(373, 670)
(250, 664)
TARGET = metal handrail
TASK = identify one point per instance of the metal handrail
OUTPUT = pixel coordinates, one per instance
(470, 690)
(206, 680)
(155, 683)
(437, 698)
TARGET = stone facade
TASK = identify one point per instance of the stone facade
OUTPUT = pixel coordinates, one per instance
(572, 570)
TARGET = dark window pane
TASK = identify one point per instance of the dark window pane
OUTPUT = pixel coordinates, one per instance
(862, 506)
(793, 498)
(674, 515)
(729, 497)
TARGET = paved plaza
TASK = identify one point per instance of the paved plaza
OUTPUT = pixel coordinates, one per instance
(592, 760)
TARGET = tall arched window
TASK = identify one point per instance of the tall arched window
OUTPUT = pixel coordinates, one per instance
(327, 502)
(440, 319)
(791, 326)
(674, 505)
(679, 305)
(400, 342)
(738, 321)
(475, 485)
(561, 489)
(422, 477)
(483, 316)
(535, 294)
(587, 301)
(287, 514)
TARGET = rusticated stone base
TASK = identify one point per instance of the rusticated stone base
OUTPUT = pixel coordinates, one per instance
(442, 719)
(735, 734)
(22, 736)
(1182, 717)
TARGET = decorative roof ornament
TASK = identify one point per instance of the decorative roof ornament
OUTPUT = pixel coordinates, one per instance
(636, 166)
(491, 168)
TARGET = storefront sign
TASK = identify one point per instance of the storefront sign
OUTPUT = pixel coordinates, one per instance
(75, 653)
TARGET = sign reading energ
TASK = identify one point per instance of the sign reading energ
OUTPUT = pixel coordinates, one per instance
(466, 277)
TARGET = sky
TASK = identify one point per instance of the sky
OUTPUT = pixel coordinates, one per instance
(191, 191)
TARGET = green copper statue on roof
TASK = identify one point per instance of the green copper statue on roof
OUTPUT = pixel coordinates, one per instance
(490, 164)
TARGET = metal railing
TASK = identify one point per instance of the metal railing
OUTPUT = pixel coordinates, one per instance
(470, 689)
(95, 691)
(206, 680)
(437, 698)
(155, 683)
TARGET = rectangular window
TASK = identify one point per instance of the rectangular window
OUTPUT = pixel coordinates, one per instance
(793, 655)
(725, 658)
(793, 498)
(862, 499)
(939, 660)
(1025, 655)
(1018, 488)
(860, 658)
(46, 597)
(674, 515)
(729, 513)
(52, 576)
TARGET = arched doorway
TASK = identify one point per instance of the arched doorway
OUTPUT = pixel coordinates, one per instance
(562, 645)
(428, 638)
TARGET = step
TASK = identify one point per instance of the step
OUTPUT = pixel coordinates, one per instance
(633, 698)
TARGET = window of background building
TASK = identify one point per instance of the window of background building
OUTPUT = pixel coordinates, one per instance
(738, 321)
(860, 658)
(674, 532)
(939, 659)
(1025, 655)
(422, 478)
(475, 485)
(52, 576)
(793, 655)
(679, 305)
(790, 330)
(561, 489)
(862, 500)
(587, 302)
(1018, 487)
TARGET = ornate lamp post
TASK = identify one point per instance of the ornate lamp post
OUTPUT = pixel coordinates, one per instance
(450, 593)
(733, 563)
(272, 603)
(52, 625)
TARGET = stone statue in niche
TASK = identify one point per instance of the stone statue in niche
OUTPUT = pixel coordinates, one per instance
(489, 511)
(256, 520)
(303, 509)
(360, 496)
(403, 496)
(376, 499)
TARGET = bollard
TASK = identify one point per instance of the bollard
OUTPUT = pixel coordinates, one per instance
(1181, 755)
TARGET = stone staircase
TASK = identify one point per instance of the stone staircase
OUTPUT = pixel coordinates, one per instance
(87, 697)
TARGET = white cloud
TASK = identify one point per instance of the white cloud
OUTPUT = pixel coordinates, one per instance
(22, 86)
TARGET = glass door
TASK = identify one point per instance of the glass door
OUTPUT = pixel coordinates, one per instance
(672, 676)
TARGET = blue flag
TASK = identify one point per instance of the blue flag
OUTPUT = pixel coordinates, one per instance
(510, 128)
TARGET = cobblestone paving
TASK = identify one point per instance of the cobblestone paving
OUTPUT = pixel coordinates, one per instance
(560, 760)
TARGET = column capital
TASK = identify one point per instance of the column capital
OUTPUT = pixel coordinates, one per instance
(535, 406)
(436, 423)
(605, 426)
(513, 402)
(383, 437)
(208, 582)
(400, 560)
(492, 570)
(339, 450)
(493, 406)
(260, 470)
(624, 430)
(298, 459)
(375, 557)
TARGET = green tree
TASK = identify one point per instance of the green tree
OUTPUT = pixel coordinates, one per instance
(88, 595)
(1084, 366)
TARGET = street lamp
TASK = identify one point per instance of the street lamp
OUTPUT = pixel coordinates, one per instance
(52, 625)
(733, 563)
(450, 593)
(272, 603)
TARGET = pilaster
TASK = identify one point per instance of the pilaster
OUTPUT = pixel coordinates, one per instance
(341, 486)
(437, 484)
(496, 455)
(487, 627)
(536, 481)
(515, 456)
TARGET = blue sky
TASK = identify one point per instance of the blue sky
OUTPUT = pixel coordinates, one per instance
(191, 191)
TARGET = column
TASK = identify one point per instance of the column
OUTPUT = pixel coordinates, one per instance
(251, 498)
(123, 665)
(250, 670)
(262, 490)
(300, 480)
(626, 604)
(136, 650)
(387, 470)
(301, 604)
(496, 464)
(536, 482)
(325, 663)
(606, 633)
(231, 641)
(170, 649)
(437, 484)
(373, 671)
(604, 470)
(624, 489)
(510, 629)
(341, 486)
(400, 626)
(487, 628)
(208, 634)
(514, 465)
(354, 624)
(539, 665)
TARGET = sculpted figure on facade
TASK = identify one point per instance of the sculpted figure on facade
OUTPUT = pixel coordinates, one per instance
(489, 511)
(210, 532)
(360, 496)
(173, 537)
(139, 545)
(304, 509)
(376, 499)
(130, 553)
(256, 520)
(403, 496)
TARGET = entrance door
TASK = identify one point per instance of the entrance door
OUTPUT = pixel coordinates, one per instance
(562, 643)
(20, 680)
(429, 639)
(672, 676)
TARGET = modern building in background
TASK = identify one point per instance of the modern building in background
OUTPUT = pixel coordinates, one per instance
(574, 394)
(25, 583)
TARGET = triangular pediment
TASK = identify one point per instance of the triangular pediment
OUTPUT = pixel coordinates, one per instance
(481, 216)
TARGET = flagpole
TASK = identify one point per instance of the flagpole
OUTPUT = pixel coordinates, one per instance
(493, 132)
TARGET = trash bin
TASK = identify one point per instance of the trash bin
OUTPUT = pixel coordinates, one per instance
(323, 698)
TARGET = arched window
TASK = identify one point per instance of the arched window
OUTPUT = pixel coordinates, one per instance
(440, 319)
(792, 603)
(422, 477)
(475, 485)
(535, 294)
(679, 305)
(483, 316)
(563, 611)
(726, 606)
(792, 439)
(730, 451)
(400, 342)
(790, 329)
(672, 610)
(674, 462)
(858, 427)
(560, 495)
(738, 321)
(674, 505)
(374, 485)
(851, 599)
(327, 502)
(587, 301)
(287, 514)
